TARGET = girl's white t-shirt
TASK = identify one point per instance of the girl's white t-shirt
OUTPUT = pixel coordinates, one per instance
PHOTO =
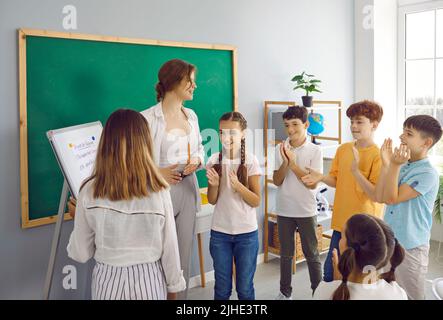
(232, 215)
(380, 290)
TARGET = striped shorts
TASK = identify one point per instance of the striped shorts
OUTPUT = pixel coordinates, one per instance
(138, 282)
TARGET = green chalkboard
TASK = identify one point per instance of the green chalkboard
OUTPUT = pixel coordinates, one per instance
(78, 79)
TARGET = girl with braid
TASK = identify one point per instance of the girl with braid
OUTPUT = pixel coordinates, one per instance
(234, 188)
(367, 245)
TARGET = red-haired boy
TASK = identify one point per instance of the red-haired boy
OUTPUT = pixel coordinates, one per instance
(354, 174)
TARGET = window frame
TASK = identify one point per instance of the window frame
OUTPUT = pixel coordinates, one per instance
(404, 10)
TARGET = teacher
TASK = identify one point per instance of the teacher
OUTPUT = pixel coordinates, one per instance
(178, 150)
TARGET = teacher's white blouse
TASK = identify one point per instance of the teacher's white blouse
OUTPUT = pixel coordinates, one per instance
(157, 126)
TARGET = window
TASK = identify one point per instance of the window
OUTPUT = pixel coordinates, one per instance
(420, 66)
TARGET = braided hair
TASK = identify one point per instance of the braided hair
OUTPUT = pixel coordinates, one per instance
(370, 242)
(242, 172)
(396, 252)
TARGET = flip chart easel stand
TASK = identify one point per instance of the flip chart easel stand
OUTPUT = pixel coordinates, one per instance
(56, 240)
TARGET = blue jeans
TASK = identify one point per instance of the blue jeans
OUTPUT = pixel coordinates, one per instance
(328, 269)
(243, 248)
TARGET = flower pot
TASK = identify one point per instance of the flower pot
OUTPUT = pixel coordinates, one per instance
(307, 101)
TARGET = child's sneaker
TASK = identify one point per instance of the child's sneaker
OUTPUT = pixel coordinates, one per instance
(281, 296)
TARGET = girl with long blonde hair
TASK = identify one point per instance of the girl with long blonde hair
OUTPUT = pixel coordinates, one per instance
(124, 217)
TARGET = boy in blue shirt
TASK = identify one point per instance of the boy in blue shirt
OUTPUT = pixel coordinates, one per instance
(408, 183)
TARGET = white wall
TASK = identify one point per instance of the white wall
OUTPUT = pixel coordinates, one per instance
(385, 66)
(376, 59)
(363, 50)
(410, 2)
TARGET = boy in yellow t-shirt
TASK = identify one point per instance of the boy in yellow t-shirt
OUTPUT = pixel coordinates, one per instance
(354, 174)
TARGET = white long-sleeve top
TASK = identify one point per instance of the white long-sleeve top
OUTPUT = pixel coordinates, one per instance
(157, 126)
(127, 232)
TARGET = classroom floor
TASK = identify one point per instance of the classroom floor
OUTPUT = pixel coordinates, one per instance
(267, 280)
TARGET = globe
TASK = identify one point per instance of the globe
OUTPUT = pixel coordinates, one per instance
(315, 124)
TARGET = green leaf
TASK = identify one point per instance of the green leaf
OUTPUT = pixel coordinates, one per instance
(437, 204)
(437, 213)
(305, 82)
(311, 87)
(297, 78)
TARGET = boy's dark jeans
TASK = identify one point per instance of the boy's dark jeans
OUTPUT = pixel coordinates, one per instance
(286, 232)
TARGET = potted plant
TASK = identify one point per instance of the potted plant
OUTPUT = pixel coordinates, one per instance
(437, 203)
(308, 83)
(437, 228)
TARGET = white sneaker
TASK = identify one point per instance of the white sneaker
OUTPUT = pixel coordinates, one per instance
(281, 296)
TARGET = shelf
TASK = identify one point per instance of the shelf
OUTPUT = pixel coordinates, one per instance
(276, 252)
(274, 143)
(320, 218)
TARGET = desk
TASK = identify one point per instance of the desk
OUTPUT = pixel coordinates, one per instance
(203, 223)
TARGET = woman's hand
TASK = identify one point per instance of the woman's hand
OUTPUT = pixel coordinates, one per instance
(171, 175)
(72, 203)
(213, 177)
(192, 166)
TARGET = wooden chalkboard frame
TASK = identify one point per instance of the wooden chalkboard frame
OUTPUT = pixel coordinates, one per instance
(26, 222)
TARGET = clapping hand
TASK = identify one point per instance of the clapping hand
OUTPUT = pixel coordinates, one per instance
(356, 160)
(401, 155)
(312, 178)
(288, 156)
(213, 177)
(235, 183)
(386, 153)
